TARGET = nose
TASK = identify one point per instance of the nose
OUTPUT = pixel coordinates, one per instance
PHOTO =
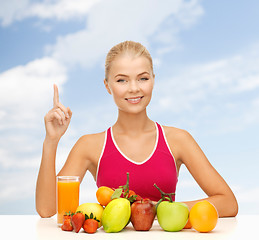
(134, 86)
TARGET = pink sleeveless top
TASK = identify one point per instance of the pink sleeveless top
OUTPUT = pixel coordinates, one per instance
(158, 168)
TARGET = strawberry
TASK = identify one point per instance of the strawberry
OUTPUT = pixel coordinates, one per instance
(90, 224)
(78, 220)
(67, 226)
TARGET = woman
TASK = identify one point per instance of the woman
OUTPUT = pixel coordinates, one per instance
(151, 153)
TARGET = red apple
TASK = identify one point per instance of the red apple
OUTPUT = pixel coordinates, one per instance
(143, 213)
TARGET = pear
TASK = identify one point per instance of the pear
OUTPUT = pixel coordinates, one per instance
(116, 215)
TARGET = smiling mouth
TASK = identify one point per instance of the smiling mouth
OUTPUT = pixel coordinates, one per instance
(134, 100)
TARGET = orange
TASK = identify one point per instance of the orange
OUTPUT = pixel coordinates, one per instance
(103, 195)
(203, 216)
(188, 225)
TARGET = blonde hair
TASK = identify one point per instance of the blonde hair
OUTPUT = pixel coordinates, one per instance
(131, 47)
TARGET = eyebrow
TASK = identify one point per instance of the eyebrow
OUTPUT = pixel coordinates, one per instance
(123, 75)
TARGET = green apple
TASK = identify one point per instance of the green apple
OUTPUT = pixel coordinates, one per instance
(172, 216)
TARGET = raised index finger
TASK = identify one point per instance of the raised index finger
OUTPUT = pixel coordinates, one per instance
(56, 96)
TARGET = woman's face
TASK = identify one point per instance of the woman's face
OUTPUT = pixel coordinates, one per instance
(130, 81)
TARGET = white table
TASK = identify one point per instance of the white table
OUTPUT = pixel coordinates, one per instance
(34, 227)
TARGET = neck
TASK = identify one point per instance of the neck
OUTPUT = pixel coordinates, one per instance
(133, 123)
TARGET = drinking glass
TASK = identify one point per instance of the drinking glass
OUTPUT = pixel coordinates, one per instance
(67, 195)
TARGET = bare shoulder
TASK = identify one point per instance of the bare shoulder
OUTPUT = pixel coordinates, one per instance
(94, 138)
(93, 142)
(90, 146)
(178, 141)
(176, 134)
(84, 155)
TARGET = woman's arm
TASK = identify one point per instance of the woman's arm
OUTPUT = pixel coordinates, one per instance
(56, 123)
(46, 182)
(211, 182)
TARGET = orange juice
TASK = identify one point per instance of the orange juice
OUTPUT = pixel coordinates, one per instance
(67, 195)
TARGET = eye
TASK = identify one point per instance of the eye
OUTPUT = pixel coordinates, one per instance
(121, 80)
(144, 79)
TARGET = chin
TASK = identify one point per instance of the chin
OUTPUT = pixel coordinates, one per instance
(132, 111)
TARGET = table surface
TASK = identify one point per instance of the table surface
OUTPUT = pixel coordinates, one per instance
(34, 227)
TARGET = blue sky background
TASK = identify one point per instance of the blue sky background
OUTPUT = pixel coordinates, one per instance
(206, 61)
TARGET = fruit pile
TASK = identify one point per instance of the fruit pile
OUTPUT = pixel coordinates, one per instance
(118, 207)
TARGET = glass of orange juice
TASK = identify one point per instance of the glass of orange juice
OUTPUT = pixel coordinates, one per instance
(67, 195)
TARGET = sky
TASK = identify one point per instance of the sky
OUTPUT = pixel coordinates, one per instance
(205, 54)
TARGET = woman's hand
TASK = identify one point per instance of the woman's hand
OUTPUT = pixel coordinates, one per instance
(57, 119)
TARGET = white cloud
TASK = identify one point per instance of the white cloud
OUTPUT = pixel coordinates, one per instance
(11, 10)
(62, 10)
(247, 198)
(110, 22)
(219, 88)
(17, 186)
(246, 195)
(26, 95)
(233, 75)
(25, 90)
